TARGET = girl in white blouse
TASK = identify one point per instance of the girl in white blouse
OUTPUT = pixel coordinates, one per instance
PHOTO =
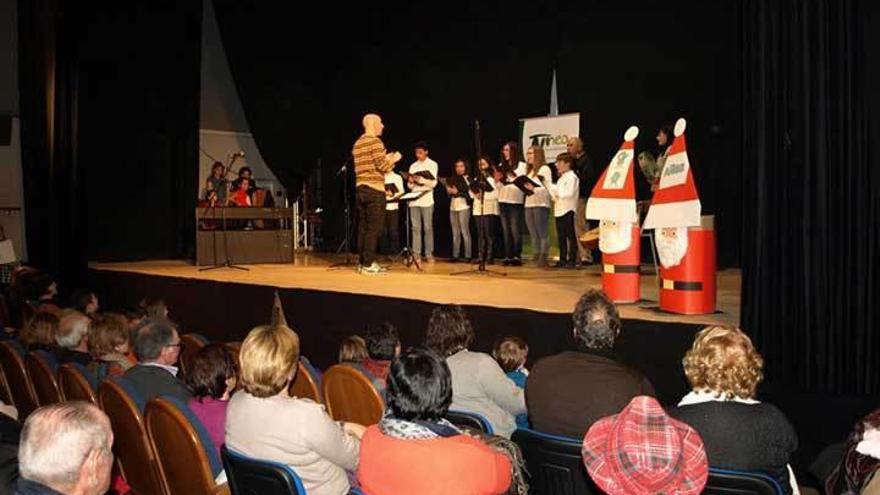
(485, 210)
(460, 211)
(537, 204)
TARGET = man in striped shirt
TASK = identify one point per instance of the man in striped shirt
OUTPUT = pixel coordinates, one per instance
(370, 165)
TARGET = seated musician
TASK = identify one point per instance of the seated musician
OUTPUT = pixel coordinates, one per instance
(241, 192)
(215, 186)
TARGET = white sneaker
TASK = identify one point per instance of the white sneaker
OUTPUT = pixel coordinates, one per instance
(373, 269)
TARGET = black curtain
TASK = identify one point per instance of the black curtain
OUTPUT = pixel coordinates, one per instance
(810, 236)
(109, 110)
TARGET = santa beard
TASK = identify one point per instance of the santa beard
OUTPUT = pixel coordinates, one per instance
(614, 237)
(672, 245)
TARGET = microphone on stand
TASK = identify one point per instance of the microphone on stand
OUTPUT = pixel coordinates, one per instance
(342, 170)
(239, 154)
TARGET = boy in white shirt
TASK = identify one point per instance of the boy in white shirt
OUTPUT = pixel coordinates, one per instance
(565, 196)
(421, 211)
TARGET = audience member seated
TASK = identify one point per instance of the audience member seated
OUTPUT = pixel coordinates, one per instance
(383, 345)
(84, 301)
(568, 392)
(353, 350)
(41, 292)
(644, 451)
(264, 422)
(109, 344)
(134, 316)
(154, 308)
(724, 370)
(65, 448)
(212, 379)
(511, 352)
(73, 338)
(857, 471)
(478, 383)
(157, 347)
(414, 450)
(39, 333)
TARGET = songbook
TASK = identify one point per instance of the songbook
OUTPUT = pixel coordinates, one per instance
(423, 174)
(458, 182)
(391, 188)
(413, 195)
(521, 182)
(478, 185)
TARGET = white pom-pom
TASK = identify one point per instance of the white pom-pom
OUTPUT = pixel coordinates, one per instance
(631, 133)
(680, 125)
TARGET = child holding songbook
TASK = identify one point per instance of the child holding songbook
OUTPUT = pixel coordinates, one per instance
(391, 227)
(511, 353)
(537, 204)
(565, 196)
(457, 187)
(485, 208)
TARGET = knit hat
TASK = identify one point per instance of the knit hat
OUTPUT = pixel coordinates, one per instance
(676, 202)
(614, 195)
(643, 451)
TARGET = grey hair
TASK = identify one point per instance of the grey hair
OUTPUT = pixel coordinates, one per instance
(56, 440)
(72, 328)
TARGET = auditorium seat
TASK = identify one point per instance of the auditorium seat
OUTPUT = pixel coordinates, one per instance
(249, 476)
(554, 464)
(350, 396)
(137, 460)
(190, 345)
(20, 388)
(77, 383)
(41, 368)
(187, 458)
(730, 482)
(305, 384)
(473, 421)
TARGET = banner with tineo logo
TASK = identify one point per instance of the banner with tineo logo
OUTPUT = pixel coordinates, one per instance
(551, 133)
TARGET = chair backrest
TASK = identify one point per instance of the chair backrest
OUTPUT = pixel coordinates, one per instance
(77, 383)
(41, 367)
(350, 396)
(730, 482)
(190, 345)
(249, 476)
(305, 384)
(137, 460)
(187, 458)
(12, 362)
(473, 421)
(554, 464)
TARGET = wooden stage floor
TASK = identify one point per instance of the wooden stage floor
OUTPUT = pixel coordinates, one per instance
(546, 290)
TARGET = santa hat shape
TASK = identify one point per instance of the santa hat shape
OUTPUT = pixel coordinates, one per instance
(676, 202)
(614, 195)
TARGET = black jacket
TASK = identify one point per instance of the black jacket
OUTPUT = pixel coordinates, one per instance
(153, 381)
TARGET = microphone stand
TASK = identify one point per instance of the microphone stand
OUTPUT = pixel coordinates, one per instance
(481, 223)
(346, 241)
(227, 263)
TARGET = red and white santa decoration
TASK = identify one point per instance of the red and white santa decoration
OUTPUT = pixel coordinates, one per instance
(613, 203)
(685, 247)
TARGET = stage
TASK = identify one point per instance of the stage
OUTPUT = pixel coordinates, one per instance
(543, 290)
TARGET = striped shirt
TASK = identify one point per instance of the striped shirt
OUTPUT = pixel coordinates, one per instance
(370, 163)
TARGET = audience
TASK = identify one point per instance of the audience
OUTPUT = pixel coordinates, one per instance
(212, 379)
(39, 332)
(108, 345)
(511, 352)
(84, 301)
(154, 308)
(65, 448)
(478, 383)
(302, 435)
(383, 345)
(157, 347)
(724, 370)
(353, 350)
(40, 291)
(568, 392)
(414, 450)
(642, 451)
(860, 463)
(73, 338)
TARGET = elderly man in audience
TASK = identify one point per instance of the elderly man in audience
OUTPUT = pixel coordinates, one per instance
(157, 347)
(265, 422)
(72, 338)
(739, 432)
(65, 449)
(479, 384)
(568, 392)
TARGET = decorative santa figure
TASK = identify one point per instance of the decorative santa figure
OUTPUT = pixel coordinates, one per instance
(613, 203)
(685, 241)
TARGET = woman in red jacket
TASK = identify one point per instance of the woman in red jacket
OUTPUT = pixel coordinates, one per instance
(414, 450)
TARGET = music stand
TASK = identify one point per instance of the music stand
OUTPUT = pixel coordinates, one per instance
(227, 263)
(406, 253)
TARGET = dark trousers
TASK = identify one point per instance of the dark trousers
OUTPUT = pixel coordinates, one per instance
(511, 227)
(568, 243)
(486, 233)
(391, 232)
(370, 215)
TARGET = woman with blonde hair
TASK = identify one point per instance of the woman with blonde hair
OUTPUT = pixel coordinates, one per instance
(39, 332)
(738, 431)
(537, 204)
(109, 344)
(264, 422)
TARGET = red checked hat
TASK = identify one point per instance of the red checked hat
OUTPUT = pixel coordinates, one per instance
(644, 451)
